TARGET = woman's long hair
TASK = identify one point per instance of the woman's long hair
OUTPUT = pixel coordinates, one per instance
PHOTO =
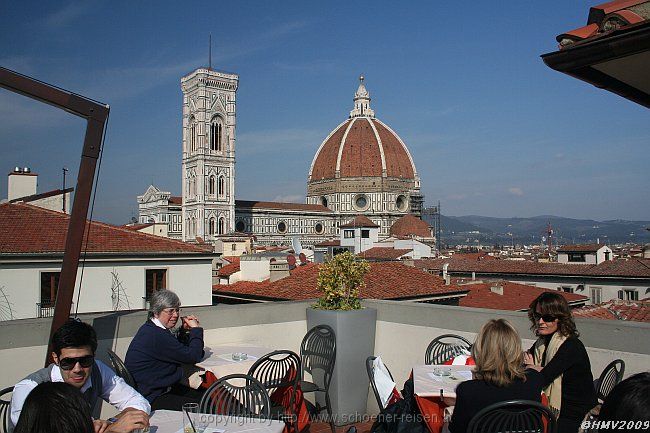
(498, 354)
(555, 305)
(55, 407)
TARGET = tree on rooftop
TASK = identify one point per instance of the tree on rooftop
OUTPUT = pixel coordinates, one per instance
(339, 280)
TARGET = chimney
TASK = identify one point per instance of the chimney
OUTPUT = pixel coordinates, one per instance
(408, 262)
(498, 289)
(445, 274)
(21, 183)
(473, 276)
(279, 269)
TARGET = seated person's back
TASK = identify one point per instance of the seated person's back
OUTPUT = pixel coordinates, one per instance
(499, 374)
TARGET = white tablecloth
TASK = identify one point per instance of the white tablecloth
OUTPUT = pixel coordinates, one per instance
(169, 421)
(218, 360)
(426, 384)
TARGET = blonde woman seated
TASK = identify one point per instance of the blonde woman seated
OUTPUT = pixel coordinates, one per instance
(499, 374)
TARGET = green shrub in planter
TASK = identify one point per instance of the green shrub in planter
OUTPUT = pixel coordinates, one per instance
(340, 280)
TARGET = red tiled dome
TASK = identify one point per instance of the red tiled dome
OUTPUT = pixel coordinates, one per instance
(410, 225)
(362, 147)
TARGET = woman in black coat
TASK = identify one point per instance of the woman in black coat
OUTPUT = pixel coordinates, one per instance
(562, 359)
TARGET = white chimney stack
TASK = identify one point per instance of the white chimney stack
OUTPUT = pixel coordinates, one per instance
(21, 183)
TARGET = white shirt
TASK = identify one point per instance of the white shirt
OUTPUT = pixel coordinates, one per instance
(114, 391)
(159, 324)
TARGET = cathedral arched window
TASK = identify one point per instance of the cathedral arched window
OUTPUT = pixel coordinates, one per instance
(222, 186)
(192, 136)
(216, 134)
(211, 185)
(222, 225)
(212, 226)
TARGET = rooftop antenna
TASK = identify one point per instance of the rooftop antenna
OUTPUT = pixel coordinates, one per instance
(210, 53)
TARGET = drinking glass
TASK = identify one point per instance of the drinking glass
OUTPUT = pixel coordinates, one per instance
(190, 417)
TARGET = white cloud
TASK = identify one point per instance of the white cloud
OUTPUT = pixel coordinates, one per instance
(66, 15)
(516, 191)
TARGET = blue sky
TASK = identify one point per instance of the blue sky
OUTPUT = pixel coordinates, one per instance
(492, 130)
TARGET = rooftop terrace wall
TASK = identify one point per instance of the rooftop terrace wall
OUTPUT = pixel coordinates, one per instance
(404, 330)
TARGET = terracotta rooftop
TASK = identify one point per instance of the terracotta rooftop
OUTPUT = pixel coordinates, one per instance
(474, 256)
(231, 268)
(137, 227)
(385, 280)
(176, 200)
(580, 248)
(27, 229)
(516, 297)
(635, 311)
(359, 221)
(381, 253)
(410, 225)
(605, 19)
(243, 204)
(362, 147)
(330, 243)
(632, 268)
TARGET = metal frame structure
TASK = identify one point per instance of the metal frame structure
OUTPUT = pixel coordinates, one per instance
(96, 115)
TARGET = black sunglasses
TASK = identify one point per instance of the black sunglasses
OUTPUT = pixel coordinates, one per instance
(69, 363)
(548, 318)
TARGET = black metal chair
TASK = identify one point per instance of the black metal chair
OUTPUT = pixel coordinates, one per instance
(445, 347)
(120, 368)
(370, 368)
(609, 378)
(5, 403)
(237, 395)
(318, 355)
(277, 370)
(514, 416)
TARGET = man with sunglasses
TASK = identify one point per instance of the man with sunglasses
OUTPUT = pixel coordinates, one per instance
(74, 345)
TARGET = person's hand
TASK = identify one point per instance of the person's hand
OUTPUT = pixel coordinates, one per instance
(528, 359)
(190, 322)
(100, 425)
(128, 421)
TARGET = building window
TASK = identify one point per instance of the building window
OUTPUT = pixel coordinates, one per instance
(216, 134)
(222, 186)
(282, 227)
(156, 279)
(629, 295)
(323, 201)
(234, 246)
(576, 257)
(365, 234)
(348, 234)
(361, 202)
(607, 254)
(240, 226)
(567, 289)
(596, 295)
(211, 185)
(222, 225)
(319, 228)
(212, 226)
(192, 134)
(49, 286)
(401, 203)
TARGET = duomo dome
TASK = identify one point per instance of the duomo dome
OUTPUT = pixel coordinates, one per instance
(364, 167)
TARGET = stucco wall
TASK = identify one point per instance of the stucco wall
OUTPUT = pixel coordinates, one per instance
(192, 280)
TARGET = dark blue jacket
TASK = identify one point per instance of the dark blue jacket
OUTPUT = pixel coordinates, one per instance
(155, 358)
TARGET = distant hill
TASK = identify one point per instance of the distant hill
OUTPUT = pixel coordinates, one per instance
(531, 230)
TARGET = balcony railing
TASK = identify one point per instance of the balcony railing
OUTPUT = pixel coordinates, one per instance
(45, 309)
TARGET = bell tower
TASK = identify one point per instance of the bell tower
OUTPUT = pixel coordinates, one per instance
(208, 162)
